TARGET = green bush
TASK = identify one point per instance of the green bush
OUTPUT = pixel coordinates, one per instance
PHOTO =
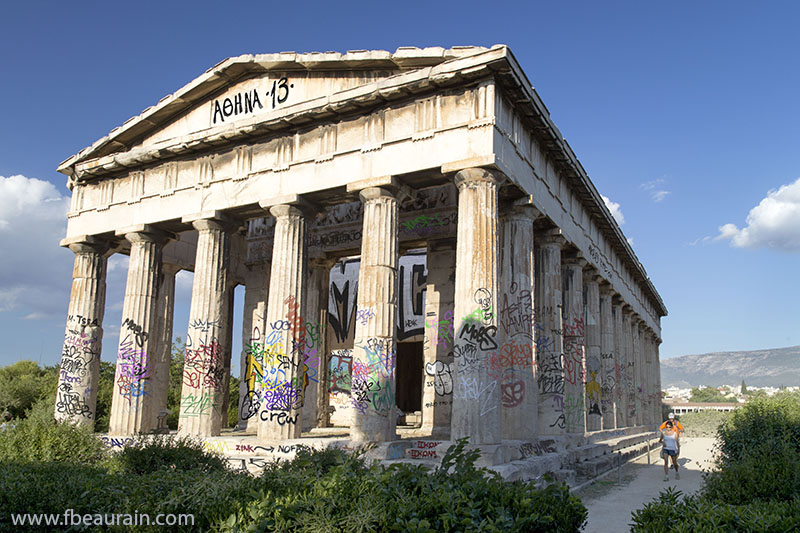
(669, 513)
(329, 491)
(165, 453)
(39, 438)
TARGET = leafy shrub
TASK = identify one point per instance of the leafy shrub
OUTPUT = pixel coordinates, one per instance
(344, 494)
(165, 453)
(39, 438)
(670, 513)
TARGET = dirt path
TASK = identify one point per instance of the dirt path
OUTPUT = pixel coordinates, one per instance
(610, 505)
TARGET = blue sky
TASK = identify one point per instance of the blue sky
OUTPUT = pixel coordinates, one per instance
(685, 114)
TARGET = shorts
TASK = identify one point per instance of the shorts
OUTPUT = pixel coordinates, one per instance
(671, 453)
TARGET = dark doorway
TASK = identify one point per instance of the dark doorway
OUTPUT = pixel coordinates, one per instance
(408, 377)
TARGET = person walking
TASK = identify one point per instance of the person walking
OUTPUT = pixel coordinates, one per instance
(676, 424)
(672, 446)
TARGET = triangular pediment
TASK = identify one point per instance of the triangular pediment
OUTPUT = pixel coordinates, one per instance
(252, 89)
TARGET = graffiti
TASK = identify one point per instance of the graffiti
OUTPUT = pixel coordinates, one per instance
(281, 417)
(558, 407)
(469, 389)
(81, 320)
(573, 412)
(512, 390)
(442, 378)
(413, 279)
(483, 335)
(535, 448)
(422, 454)
(137, 330)
(215, 446)
(196, 404)
(340, 370)
(516, 315)
(113, 442)
(365, 315)
(425, 224)
(594, 390)
(342, 299)
(203, 365)
(203, 326)
(444, 329)
(395, 451)
(70, 403)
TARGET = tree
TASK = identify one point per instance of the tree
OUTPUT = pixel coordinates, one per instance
(744, 388)
(22, 384)
(707, 395)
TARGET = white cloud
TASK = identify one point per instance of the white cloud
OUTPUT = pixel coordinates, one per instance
(630, 241)
(655, 189)
(774, 223)
(34, 271)
(615, 210)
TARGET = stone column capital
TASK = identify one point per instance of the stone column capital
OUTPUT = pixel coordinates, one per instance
(170, 268)
(523, 213)
(606, 289)
(86, 247)
(476, 175)
(591, 275)
(574, 261)
(375, 193)
(550, 237)
(145, 233)
(287, 211)
(214, 224)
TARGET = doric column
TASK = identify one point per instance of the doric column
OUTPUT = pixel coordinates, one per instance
(547, 333)
(315, 355)
(76, 397)
(437, 392)
(133, 406)
(574, 358)
(656, 343)
(620, 363)
(638, 358)
(594, 364)
(514, 366)
(253, 336)
(630, 366)
(374, 348)
(608, 398)
(285, 383)
(204, 379)
(476, 399)
(161, 366)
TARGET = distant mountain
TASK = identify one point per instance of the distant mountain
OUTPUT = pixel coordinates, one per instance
(760, 368)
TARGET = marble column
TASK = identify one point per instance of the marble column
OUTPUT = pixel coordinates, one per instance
(594, 361)
(656, 343)
(134, 408)
(477, 411)
(253, 337)
(76, 397)
(620, 364)
(226, 373)
(547, 333)
(638, 358)
(514, 365)
(437, 391)
(630, 366)
(374, 348)
(314, 351)
(574, 358)
(608, 398)
(161, 366)
(285, 382)
(203, 392)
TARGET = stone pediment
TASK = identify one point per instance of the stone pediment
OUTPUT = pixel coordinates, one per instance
(252, 95)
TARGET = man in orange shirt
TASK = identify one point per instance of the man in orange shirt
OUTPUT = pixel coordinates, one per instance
(677, 425)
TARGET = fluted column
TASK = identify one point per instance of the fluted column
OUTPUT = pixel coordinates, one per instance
(630, 366)
(656, 344)
(316, 302)
(547, 333)
(514, 364)
(476, 399)
(161, 366)
(594, 364)
(620, 364)
(203, 392)
(574, 358)
(253, 336)
(608, 397)
(638, 358)
(374, 348)
(76, 397)
(284, 383)
(134, 407)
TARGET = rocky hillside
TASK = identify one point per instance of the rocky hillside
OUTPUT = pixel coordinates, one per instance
(760, 368)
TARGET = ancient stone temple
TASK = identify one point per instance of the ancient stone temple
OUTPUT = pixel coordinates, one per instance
(417, 242)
